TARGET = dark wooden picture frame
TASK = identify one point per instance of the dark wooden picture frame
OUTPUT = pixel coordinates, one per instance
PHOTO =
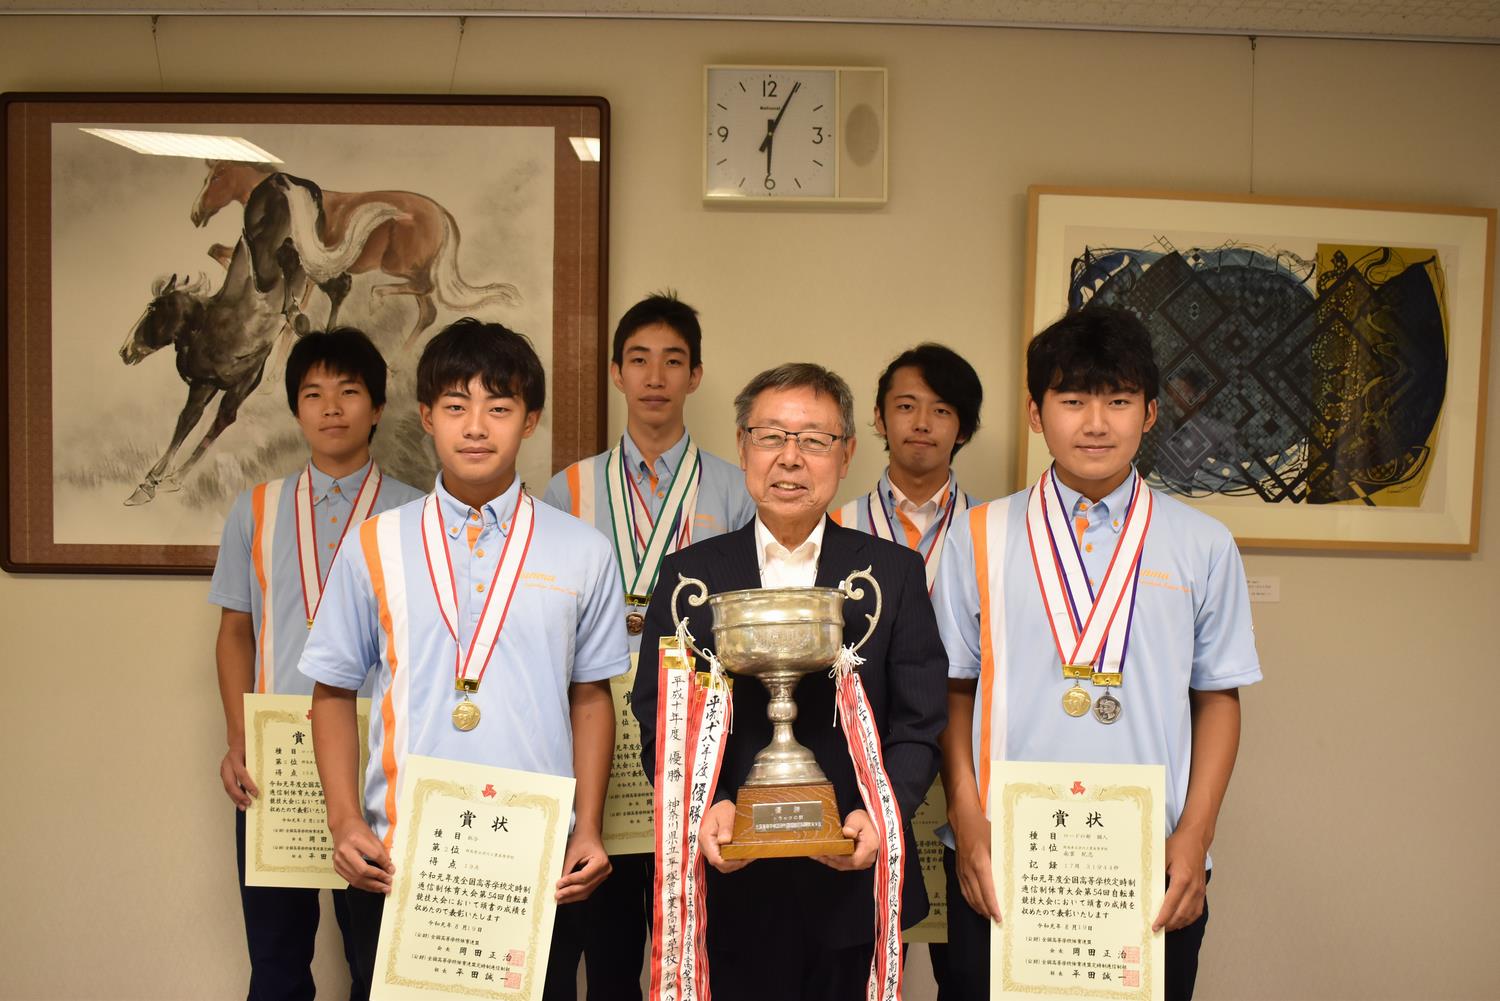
(79, 219)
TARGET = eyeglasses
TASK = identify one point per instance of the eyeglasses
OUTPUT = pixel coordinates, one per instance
(811, 442)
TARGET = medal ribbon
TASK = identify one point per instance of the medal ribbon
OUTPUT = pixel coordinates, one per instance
(307, 532)
(885, 525)
(629, 512)
(858, 721)
(507, 576)
(1084, 623)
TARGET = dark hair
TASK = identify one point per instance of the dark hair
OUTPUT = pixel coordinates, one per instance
(1092, 350)
(949, 376)
(797, 375)
(661, 307)
(343, 351)
(502, 358)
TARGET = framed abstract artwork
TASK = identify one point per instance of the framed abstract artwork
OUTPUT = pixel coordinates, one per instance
(1323, 363)
(162, 252)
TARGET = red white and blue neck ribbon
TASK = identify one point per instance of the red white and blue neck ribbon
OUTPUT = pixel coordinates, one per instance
(307, 532)
(1088, 626)
(883, 524)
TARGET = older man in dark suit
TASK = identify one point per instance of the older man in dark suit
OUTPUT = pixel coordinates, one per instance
(804, 928)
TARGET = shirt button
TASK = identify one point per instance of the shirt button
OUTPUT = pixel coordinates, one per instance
(336, 489)
(479, 588)
(1116, 523)
(473, 515)
(661, 493)
(1089, 548)
(333, 521)
(479, 553)
(332, 544)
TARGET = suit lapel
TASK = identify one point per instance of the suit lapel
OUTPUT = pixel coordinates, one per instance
(741, 568)
(843, 551)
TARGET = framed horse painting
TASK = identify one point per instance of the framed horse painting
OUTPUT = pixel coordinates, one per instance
(162, 252)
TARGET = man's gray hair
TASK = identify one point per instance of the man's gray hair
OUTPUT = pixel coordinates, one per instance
(797, 375)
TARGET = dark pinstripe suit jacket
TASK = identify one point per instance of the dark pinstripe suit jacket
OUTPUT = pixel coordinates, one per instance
(905, 676)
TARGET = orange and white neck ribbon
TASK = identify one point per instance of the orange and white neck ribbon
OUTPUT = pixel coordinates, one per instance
(883, 524)
(307, 532)
(1088, 627)
(502, 586)
(693, 713)
(858, 721)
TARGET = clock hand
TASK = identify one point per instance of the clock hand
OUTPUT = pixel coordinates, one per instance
(767, 142)
(771, 125)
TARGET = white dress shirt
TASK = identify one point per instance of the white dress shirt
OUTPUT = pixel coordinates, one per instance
(782, 567)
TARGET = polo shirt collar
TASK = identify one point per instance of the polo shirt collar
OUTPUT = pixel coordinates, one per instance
(1111, 509)
(667, 462)
(495, 512)
(323, 484)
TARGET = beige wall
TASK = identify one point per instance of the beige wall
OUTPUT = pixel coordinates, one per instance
(1351, 858)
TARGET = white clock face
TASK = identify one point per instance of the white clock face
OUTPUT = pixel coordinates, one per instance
(771, 133)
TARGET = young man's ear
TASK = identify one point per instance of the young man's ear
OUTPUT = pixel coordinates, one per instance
(614, 376)
(425, 410)
(533, 418)
(696, 378)
(1150, 416)
(879, 422)
(1034, 415)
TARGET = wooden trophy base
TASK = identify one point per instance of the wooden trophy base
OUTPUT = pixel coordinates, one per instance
(787, 822)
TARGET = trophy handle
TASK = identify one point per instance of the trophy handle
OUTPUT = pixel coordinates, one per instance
(696, 600)
(856, 594)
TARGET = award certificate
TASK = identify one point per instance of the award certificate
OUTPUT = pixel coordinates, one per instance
(478, 852)
(932, 814)
(286, 829)
(1078, 857)
(627, 805)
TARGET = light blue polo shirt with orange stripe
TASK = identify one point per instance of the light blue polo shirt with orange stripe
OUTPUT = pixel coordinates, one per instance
(258, 562)
(380, 619)
(1191, 630)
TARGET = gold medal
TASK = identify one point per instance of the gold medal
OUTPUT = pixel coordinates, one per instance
(466, 715)
(634, 623)
(1076, 701)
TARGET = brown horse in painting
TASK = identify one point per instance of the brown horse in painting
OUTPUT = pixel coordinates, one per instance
(419, 246)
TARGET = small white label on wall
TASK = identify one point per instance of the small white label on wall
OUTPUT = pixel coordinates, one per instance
(1264, 588)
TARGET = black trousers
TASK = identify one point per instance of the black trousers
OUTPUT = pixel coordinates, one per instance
(364, 919)
(609, 931)
(281, 926)
(968, 975)
(787, 968)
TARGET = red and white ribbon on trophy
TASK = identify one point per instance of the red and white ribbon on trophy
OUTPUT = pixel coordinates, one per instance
(693, 713)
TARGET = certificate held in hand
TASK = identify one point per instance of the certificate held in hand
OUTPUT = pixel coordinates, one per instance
(1078, 855)
(478, 851)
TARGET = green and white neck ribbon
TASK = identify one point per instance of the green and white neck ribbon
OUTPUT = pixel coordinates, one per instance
(641, 542)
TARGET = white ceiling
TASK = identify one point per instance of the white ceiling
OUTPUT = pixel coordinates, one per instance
(1441, 20)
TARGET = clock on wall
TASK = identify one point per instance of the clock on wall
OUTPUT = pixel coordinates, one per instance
(805, 134)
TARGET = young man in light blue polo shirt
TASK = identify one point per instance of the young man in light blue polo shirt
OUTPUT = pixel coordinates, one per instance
(541, 702)
(278, 545)
(652, 494)
(1171, 665)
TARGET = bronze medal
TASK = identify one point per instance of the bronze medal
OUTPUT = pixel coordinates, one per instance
(466, 715)
(634, 623)
(1106, 708)
(1076, 701)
